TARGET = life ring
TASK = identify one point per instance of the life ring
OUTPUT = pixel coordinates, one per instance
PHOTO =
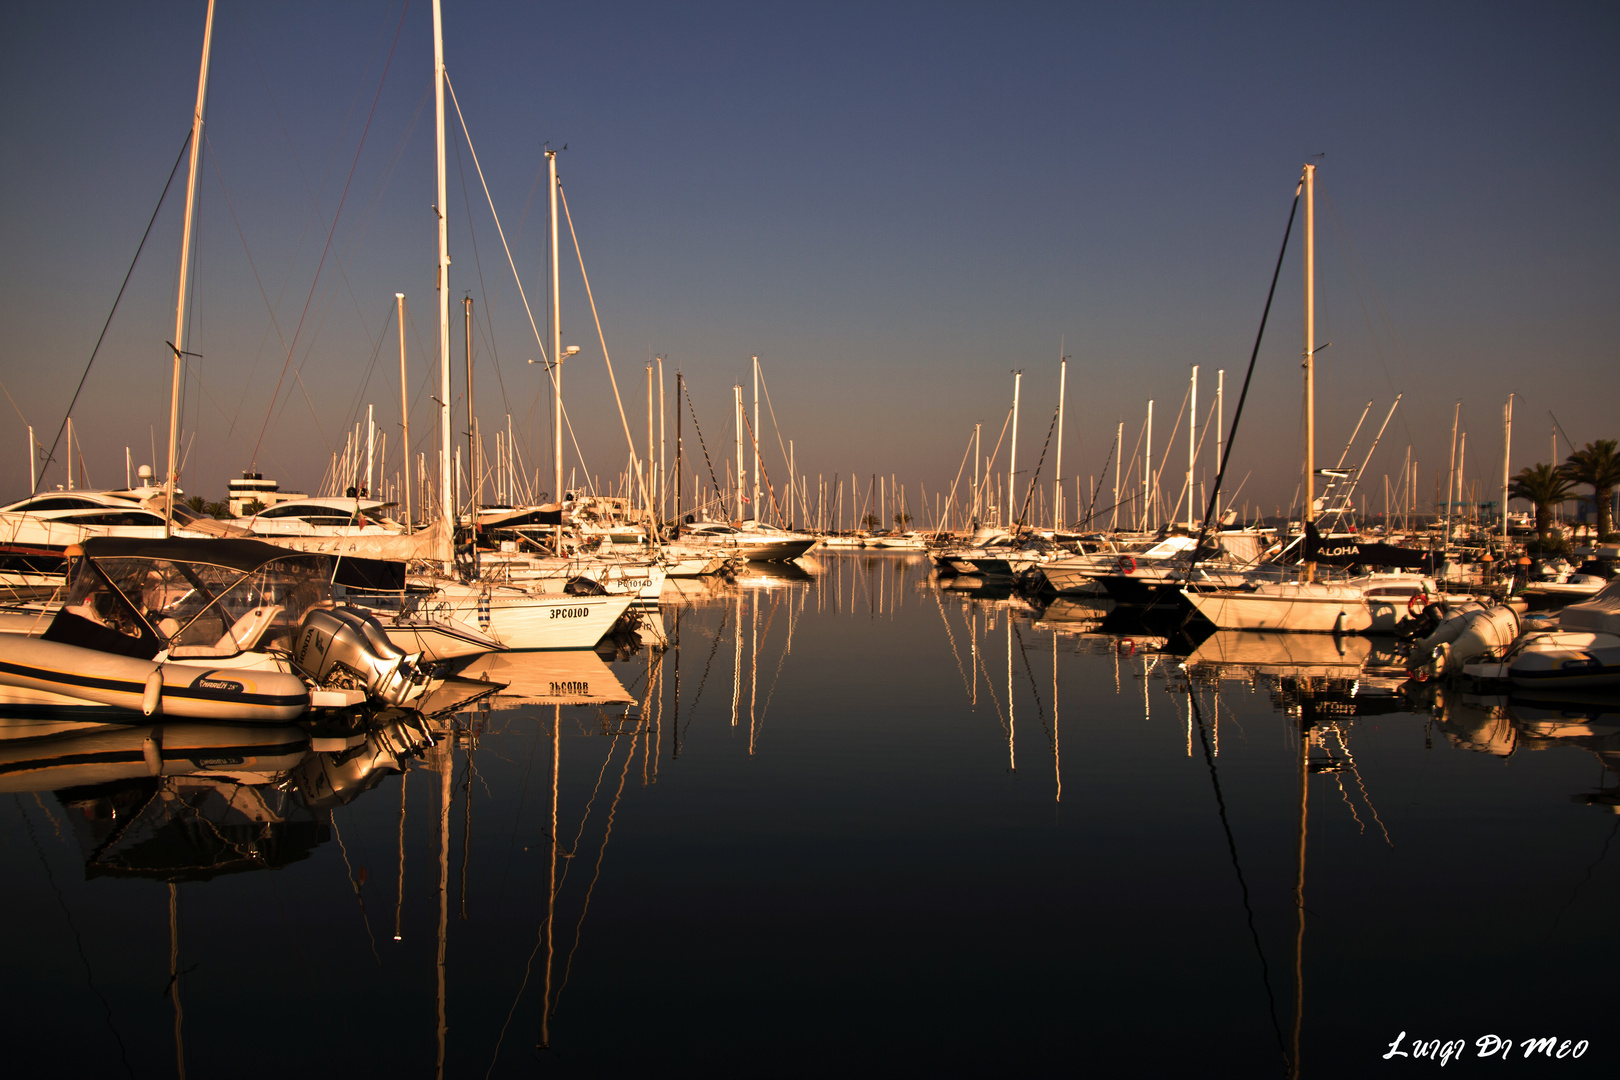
(1416, 603)
(1127, 646)
(1126, 564)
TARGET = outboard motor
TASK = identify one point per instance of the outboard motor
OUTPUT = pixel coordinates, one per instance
(1471, 632)
(346, 648)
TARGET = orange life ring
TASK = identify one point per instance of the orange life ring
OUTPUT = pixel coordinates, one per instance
(1126, 564)
(1416, 603)
(1127, 646)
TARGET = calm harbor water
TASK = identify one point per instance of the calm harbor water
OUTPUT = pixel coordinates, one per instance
(849, 820)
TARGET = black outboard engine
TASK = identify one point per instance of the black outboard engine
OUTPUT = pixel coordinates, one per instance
(346, 648)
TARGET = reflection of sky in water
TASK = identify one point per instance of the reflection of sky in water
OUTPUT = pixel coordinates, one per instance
(822, 856)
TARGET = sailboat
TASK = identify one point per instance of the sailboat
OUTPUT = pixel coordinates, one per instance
(1306, 605)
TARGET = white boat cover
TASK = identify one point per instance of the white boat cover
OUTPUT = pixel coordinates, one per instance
(1599, 615)
(431, 544)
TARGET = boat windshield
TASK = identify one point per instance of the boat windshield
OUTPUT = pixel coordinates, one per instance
(198, 605)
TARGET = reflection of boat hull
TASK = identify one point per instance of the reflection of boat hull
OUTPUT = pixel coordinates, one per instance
(1283, 654)
(55, 674)
(578, 677)
(108, 753)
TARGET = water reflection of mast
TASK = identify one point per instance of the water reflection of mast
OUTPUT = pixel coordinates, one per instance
(399, 895)
(1012, 756)
(736, 664)
(445, 751)
(551, 881)
(1307, 718)
(1057, 756)
(753, 669)
(174, 980)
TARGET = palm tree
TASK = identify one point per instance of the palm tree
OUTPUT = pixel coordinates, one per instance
(1546, 486)
(1598, 465)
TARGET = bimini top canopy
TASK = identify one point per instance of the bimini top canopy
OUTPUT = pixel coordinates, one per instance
(243, 556)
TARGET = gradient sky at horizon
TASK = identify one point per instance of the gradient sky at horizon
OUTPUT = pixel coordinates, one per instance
(893, 205)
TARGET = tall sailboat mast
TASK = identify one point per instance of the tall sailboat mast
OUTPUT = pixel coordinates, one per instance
(556, 346)
(447, 504)
(179, 342)
(1310, 356)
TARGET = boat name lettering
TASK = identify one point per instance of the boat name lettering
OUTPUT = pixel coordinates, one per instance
(224, 685)
(570, 612)
(560, 688)
(1447, 1050)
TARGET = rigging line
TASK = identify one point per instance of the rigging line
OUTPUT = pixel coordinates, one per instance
(1164, 459)
(1569, 441)
(51, 455)
(545, 356)
(1096, 489)
(774, 425)
(78, 942)
(14, 407)
(646, 499)
(248, 254)
(352, 415)
(583, 821)
(348, 869)
(940, 525)
(1358, 270)
(1602, 854)
(1040, 706)
(478, 265)
(763, 472)
(330, 233)
(1237, 867)
(719, 633)
(1029, 492)
(579, 927)
(693, 410)
(1237, 414)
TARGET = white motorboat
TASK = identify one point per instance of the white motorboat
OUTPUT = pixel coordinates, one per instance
(755, 542)
(203, 629)
(1582, 652)
(322, 516)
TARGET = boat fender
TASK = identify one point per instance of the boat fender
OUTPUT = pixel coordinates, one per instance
(152, 697)
(152, 751)
(1338, 624)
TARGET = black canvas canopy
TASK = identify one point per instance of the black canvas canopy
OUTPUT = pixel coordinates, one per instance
(244, 556)
(1352, 551)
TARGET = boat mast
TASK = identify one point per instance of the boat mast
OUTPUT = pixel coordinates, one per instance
(1220, 414)
(556, 351)
(1451, 477)
(1147, 472)
(1507, 448)
(977, 489)
(404, 405)
(1309, 512)
(447, 504)
(755, 439)
(1119, 448)
(178, 345)
(1057, 482)
(742, 473)
(1012, 460)
(1192, 443)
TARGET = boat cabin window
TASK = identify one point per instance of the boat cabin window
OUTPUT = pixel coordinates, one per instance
(55, 502)
(115, 517)
(198, 607)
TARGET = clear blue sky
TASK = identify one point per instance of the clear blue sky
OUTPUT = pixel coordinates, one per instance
(894, 205)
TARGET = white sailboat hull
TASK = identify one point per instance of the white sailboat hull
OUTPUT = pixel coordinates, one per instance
(1311, 608)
